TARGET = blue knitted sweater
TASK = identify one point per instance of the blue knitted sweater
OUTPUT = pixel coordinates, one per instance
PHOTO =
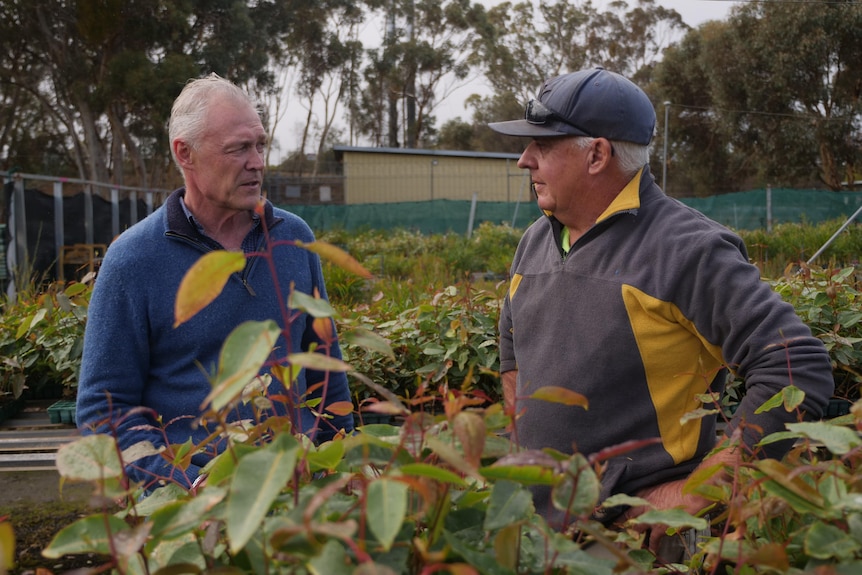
(134, 357)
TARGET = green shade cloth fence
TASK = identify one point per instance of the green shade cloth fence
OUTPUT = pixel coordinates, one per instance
(754, 209)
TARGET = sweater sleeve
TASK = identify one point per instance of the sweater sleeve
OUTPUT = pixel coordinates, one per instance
(114, 372)
(762, 340)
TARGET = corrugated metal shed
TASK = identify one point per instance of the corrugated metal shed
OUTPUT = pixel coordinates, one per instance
(380, 175)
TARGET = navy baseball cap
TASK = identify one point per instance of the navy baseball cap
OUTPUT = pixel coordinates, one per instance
(595, 103)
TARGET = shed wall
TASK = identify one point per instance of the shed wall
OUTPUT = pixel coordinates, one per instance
(382, 178)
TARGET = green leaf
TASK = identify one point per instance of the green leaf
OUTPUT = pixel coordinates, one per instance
(332, 560)
(204, 282)
(313, 306)
(506, 545)
(509, 503)
(837, 439)
(578, 492)
(385, 509)
(180, 517)
(672, 518)
(222, 467)
(484, 560)
(243, 354)
(824, 541)
(327, 456)
(318, 362)
(88, 535)
(432, 472)
(623, 499)
(433, 349)
(369, 340)
(790, 397)
(795, 492)
(75, 289)
(91, 458)
(259, 479)
(528, 467)
(524, 474)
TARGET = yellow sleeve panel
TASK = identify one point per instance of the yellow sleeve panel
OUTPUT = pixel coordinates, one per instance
(676, 379)
(513, 285)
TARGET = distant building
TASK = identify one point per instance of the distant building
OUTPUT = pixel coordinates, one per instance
(383, 175)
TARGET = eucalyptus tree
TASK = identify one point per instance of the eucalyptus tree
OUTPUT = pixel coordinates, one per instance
(776, 90)
(631, 39)
(699, 156)
(422, 58)
(525, 43)
(106, 71)
(328, 52)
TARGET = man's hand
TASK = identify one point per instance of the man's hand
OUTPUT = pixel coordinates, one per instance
(665, 496)
(509, 380)
(670, 495)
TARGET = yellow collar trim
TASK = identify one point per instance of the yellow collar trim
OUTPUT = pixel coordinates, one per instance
(628, 199)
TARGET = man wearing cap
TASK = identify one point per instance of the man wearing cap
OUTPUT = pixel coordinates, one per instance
(638, 303)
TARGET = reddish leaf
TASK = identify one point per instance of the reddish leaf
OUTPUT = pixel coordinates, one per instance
(470, 431)
(384, 408)
(323, 328)
(556, 394)
(340, 408)
(337, 256)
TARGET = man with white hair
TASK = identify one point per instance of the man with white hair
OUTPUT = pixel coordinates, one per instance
(638, 303)
(145, 380)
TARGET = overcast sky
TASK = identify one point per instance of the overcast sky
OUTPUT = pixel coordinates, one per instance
(695, 12)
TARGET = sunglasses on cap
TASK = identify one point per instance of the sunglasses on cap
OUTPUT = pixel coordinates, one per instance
(539, 114)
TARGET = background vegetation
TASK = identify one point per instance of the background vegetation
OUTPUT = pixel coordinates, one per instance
(444, 490)
(436, 299)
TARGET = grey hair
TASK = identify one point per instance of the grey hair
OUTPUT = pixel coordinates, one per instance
(631, 157)
(189, 112)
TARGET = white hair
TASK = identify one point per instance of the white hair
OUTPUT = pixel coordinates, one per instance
(189, 112)
(631, 157)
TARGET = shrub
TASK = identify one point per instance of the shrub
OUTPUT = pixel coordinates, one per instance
(41, 339)
(448, 340)
(446, 492)
(829, 302)
(793, 243)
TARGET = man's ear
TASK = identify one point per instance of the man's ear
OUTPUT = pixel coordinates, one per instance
(601, 152)
(182, 151)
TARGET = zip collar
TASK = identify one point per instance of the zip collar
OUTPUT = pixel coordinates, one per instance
(179, 224)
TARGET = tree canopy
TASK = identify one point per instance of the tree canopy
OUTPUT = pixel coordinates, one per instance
(769, 96)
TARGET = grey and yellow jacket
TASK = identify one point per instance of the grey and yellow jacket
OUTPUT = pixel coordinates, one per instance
(646, 312)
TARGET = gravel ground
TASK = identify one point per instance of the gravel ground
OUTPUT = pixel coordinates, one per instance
(37, 487)
(38, 508)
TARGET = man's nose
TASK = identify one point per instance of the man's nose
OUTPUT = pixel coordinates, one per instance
(527, 157)
(257, 159)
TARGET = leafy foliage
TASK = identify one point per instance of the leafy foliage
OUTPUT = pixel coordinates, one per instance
(42, 337)
(447, 342)
(445, 490)
(766, 97)
(830, 303)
